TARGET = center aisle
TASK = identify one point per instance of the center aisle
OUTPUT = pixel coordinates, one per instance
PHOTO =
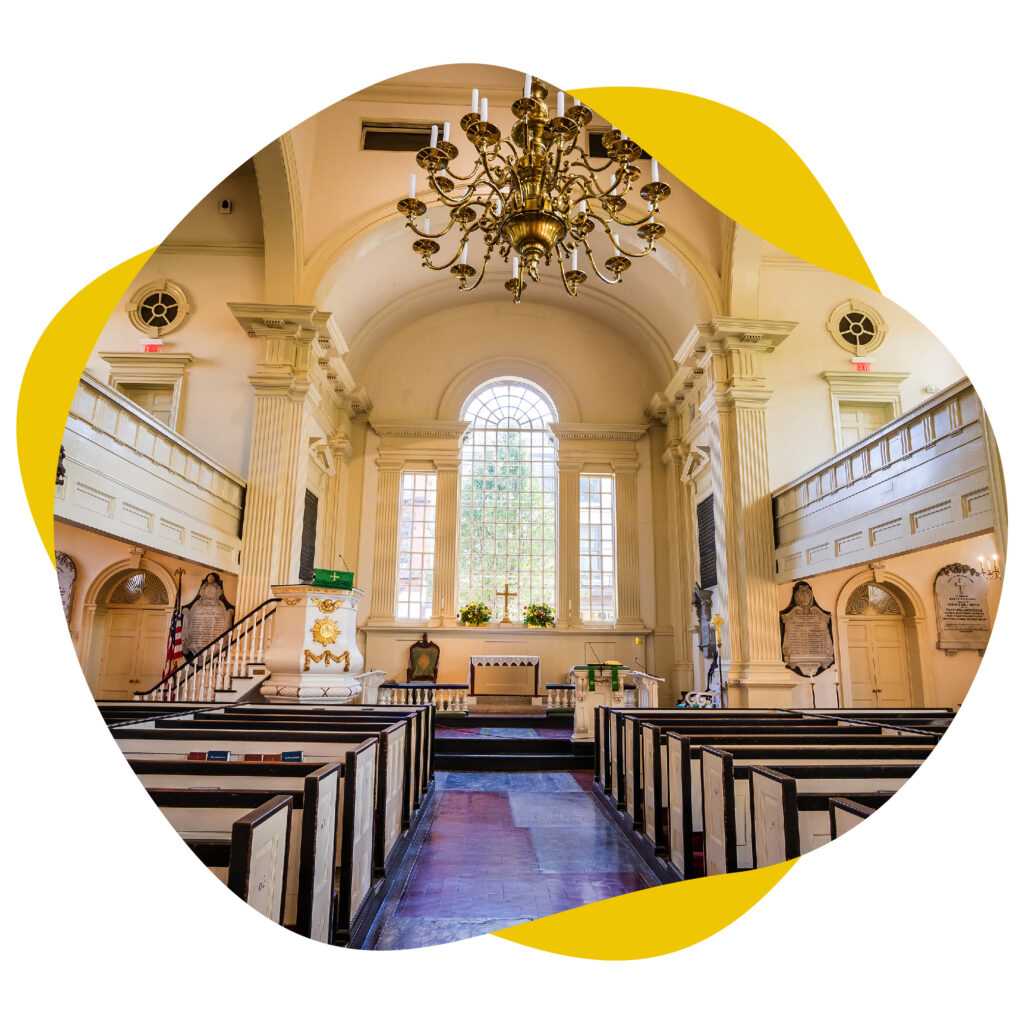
(502, 848)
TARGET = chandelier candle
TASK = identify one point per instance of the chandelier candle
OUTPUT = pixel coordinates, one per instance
(534, 196)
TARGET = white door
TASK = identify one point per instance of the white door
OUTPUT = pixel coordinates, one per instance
(133, 653)
(877, 667)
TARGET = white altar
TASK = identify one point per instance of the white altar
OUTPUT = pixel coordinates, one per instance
(312, 654)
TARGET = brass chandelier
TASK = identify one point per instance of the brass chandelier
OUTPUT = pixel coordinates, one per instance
(532, 196)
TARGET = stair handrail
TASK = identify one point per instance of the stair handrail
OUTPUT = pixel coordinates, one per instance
(191, 660)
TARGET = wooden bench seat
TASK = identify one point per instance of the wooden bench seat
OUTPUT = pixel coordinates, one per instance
(353, 841)
(219, 725)
(685, 804)
(791, 814)
(316, 747)
(845, 813)
(726, 789)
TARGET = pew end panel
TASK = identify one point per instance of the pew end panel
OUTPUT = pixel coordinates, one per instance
(321, 792)
(719, 812)
(845, 814)
(259, 857)
(774, 832)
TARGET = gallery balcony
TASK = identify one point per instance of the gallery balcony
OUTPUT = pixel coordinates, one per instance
(131, 477)
(922, 479)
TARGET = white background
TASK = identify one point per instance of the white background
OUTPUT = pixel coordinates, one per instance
(119, 117)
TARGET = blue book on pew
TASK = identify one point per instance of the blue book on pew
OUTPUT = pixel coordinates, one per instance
(291, 755)
(218, 755)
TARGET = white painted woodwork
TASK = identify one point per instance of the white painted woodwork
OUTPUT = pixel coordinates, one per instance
(921, 480)
(133, 651)
(132, 477)
(877, 671)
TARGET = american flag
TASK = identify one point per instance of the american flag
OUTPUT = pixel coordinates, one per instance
(174, 651)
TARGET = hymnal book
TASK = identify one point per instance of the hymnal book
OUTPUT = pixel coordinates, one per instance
(291, 755)
(218, 755)
(196, 755)
(271, 757)
(252, 757)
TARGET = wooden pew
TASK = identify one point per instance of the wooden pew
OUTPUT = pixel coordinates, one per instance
(258, 857)
(845, 814)
(653, 807)
(685, 805)
(790, 815)
(317, 748)
(422, 717)
(620, 747)
(415, 769)
(422, 714)
(352, 846)
(726, 788)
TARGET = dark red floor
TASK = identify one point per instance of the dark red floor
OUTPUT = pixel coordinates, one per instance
(503, 848)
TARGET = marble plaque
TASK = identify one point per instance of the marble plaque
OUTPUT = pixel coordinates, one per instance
(67, 573)
(807, 647)
(961, 608)
(206, 616)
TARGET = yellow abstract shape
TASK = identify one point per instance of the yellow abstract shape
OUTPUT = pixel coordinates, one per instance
(52, 374)
(650, 922)
(737, 164)
(740, 166)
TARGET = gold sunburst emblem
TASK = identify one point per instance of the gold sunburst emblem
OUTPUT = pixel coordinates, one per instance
(326, 631)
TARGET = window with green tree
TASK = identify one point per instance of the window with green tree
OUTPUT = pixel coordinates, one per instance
(508, 496)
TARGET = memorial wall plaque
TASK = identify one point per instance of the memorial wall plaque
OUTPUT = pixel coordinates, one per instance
(66, 576)
(807, 647)
(206, 616)
(961, 608)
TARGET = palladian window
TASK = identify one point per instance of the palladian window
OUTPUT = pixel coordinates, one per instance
(508, 497)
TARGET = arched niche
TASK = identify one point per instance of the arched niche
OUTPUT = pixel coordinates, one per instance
(915, 626)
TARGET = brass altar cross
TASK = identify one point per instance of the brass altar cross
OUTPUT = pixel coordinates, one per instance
(718, 622)
(506, 593)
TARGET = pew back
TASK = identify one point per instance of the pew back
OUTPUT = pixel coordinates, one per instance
(259, 856)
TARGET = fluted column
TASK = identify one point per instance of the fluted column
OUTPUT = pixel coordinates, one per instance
(744, 524)
(568, 543)
(385, 540)
(627, 544)
(446, 531)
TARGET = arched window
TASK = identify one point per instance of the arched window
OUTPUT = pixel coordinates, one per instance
(508, 497)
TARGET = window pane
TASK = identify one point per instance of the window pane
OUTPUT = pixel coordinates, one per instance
(414, 590)
(597, 548)
(508, 498)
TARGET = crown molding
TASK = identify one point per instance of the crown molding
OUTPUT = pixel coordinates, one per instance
(598, 431)
(447, 429)
(254, 249)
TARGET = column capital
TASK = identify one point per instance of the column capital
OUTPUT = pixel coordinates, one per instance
(624, 468)
(390, 463)
(443, 465)
(570, 467)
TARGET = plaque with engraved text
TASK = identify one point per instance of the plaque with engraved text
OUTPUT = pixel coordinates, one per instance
(961, 608)
(807, 647)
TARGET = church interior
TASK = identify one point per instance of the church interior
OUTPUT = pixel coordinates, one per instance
(624, 548)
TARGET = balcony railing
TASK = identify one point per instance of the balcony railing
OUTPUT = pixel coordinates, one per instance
(130, 476)
(920, 480)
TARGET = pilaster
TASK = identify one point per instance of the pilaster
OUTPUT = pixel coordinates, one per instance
(446, 532)
(729, 353)
(385, 540)
(627, 542)
(568, 542)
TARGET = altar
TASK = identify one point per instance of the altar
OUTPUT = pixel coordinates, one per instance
(510, 684)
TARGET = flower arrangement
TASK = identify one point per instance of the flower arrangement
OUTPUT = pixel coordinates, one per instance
(540, 615)
(474, 613)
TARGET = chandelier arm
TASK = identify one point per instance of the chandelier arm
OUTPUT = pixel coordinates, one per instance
(480, 276)
(461, 177)
(452, 221)
(487, 169)
(561, 270)
(586, 163)
(618, 248)
(447, 200)
(450, 263)
(590, 256)
(634, 223)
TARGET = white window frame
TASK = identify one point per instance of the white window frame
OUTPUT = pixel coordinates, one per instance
(864, 388)
(608, 534)
(150, 369)
(422, 483)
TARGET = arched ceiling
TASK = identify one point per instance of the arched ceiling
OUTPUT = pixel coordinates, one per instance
(357, 256)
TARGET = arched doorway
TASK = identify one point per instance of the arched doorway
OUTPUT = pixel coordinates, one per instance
(881, 629)
(132, 616)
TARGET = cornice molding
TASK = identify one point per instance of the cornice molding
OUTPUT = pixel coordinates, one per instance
(598, 431)
(254, 249)
(446, 429)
